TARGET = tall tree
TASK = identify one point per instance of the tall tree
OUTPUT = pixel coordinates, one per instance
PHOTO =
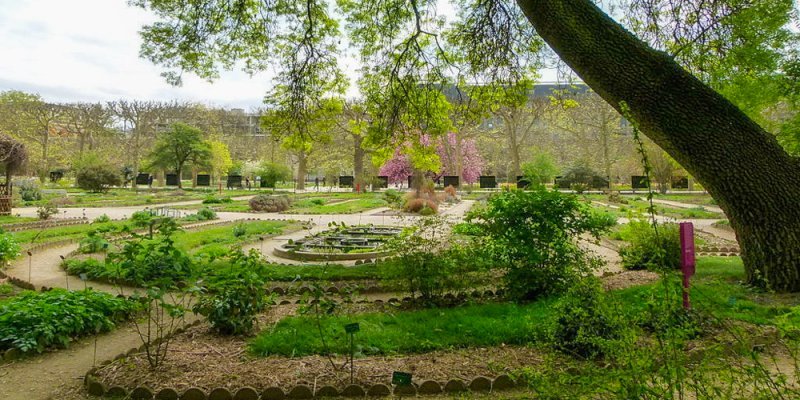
(179, 146)
(752, 178)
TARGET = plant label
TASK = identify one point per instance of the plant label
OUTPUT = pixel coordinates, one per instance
(401, 378)
(352, 328)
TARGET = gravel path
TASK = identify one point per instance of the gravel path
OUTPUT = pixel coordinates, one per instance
(38, 377)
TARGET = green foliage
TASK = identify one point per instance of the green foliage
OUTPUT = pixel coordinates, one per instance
(102, 219)
(393, 197)
(272, 173)
(153, 262)
(425, 265)
(266, 203)
(532, 235)
(541, 170)
(407, 331)
(584, 323)
(91, 268)
(141, 219)
(29, 190)
(203, 214)
(239, 230)
(96, 175)
(46, 211)
(36, 321)
(211, 199)
(92, 243)
(232, 297)
(646, 250)
(9, 249)
(183, 144)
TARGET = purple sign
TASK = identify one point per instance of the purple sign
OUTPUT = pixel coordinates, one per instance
(687, 258)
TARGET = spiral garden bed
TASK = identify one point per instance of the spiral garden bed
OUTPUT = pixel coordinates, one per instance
(342, 244)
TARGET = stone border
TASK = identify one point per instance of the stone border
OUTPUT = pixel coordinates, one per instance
(44, 224)
(479, 384)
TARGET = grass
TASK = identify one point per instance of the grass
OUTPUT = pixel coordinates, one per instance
(352, 206)
(716, 289)
(65, 232)
(637, 206)
(13, 219)
(130, 197)
(218, 239)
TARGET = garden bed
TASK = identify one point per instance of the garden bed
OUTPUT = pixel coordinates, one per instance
(201, 359)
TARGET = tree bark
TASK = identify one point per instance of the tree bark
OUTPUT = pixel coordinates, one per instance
(752, 179)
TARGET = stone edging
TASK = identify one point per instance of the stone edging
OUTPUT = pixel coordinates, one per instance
(480, 384)
(42, 224)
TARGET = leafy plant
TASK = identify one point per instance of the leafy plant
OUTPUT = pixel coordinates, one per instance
(102, 219)
(272, 173)
(35, 321)
(584, 324)
(96, 175)
(9, 249)
(239, 230)
(164, 312)
(153, 262)
(393, 197)
(646, 250)
(233, 297)
(93, 243)
(533, 235)
(141, 219)
(46, 211)
(206, 214)
(29, 190)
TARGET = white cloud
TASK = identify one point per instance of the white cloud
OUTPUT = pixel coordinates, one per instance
(87, 50)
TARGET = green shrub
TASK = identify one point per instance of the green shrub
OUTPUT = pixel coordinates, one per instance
(9, 249)
(141, 219)
(645, 250)
(579, 187)
(102, 219)
(234, 296)
(217, 200)
(272, 173)
(206, 214)
(29, 190)
(35, 321)
(427, 211)
(93, 243)
(604, 219)
(155, 262)
(318, 202)
(93, 269)
(424, 265)
(46, 211)
(97, 177)
(467, 229)
(532, 235)
(266, 203)
(584, 324)
(239, 230)
(393, 197)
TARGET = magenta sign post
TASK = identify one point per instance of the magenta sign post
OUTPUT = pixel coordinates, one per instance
(687, 259)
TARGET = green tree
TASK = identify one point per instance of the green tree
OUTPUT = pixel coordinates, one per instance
(742, 165)
(178, 146)
(540, 170)
(219, 161)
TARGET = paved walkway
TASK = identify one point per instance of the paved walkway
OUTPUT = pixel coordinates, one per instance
(36, 377)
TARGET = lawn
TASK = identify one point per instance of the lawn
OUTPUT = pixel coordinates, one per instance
(130, 197)
(716, 289)
(218, 239)
(321, 205)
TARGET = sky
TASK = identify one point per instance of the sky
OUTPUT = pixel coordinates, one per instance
(88, 50)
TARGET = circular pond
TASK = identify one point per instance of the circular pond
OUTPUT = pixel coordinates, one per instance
(341, 244)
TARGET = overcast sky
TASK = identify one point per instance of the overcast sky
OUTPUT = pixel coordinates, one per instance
(87, 50)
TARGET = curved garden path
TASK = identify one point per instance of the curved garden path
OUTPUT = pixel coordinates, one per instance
(39, 377)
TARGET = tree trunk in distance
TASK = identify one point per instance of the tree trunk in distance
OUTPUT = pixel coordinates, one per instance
(744, 168)
(301, 170)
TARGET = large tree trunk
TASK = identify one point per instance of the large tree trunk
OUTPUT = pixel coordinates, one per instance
(754, 181)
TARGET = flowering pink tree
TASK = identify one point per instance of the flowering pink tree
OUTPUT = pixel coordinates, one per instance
(399, 168)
